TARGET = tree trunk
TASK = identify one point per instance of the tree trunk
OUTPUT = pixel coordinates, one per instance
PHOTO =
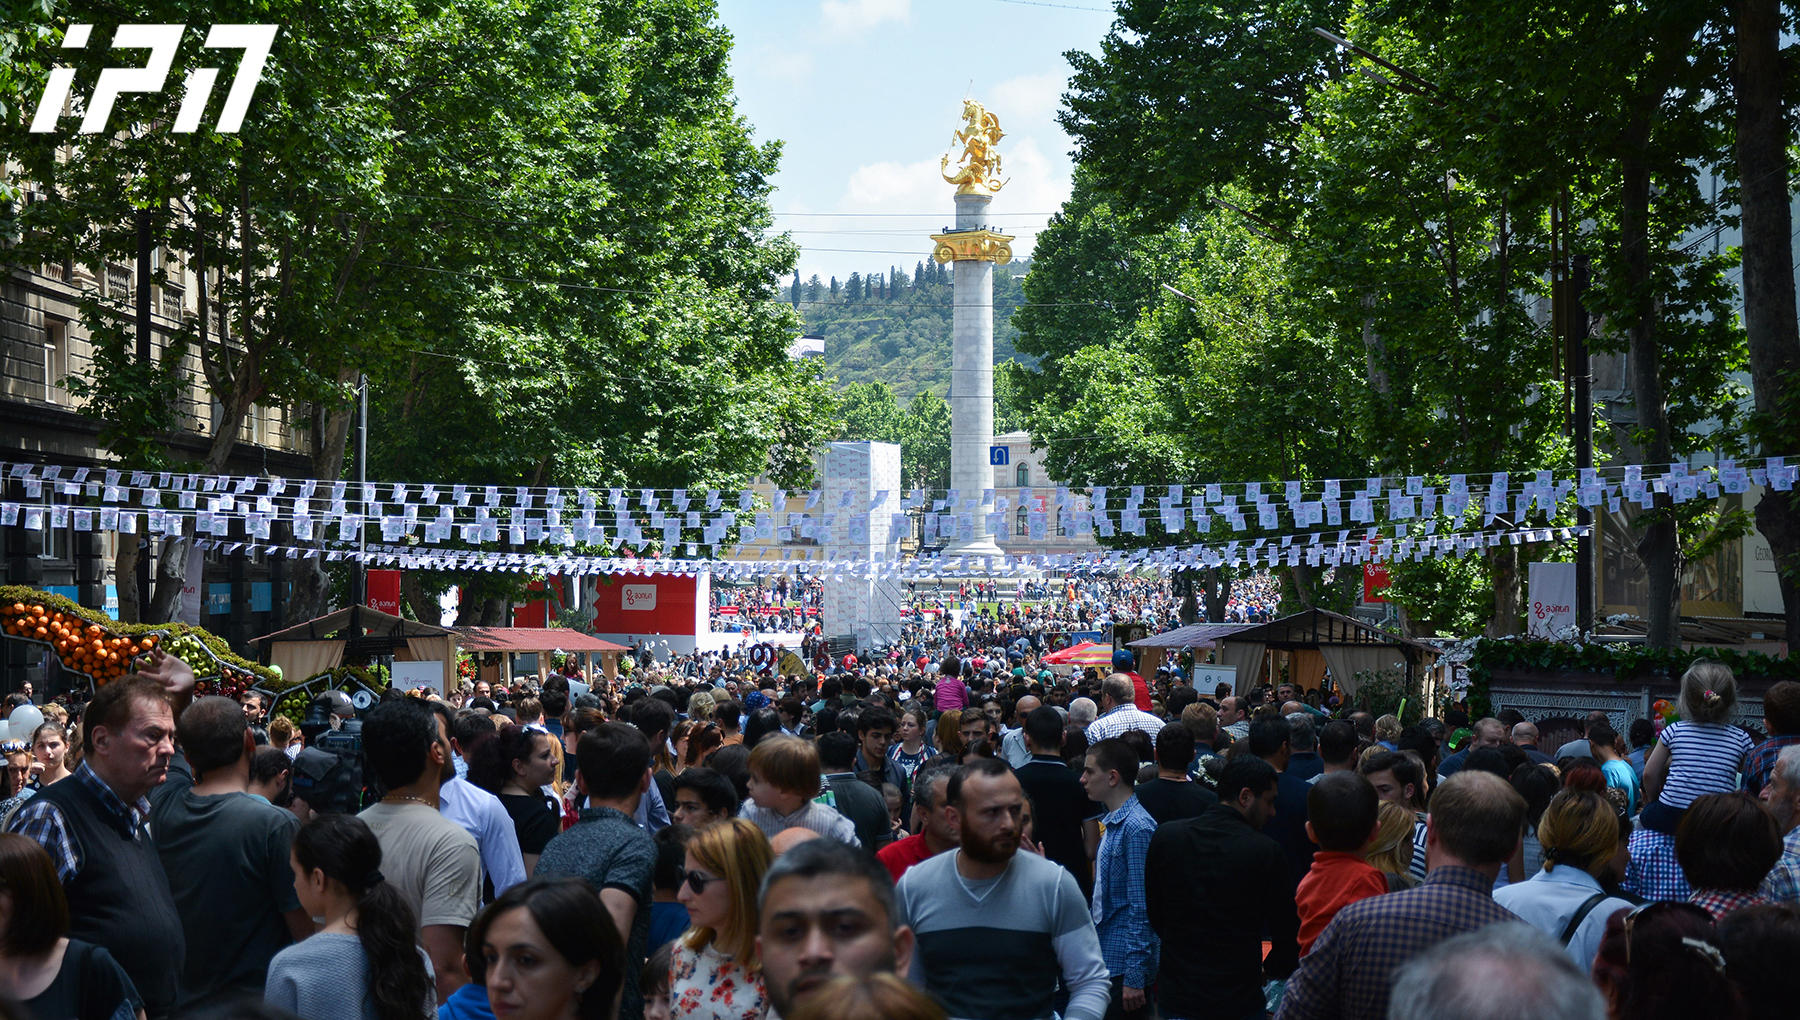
(1375, 354)
(1302, 575)
(468, 609)
(1659, 545)
(331, 437)
(412, 593)
(493, 613)
(1503, 567)
(1189, 609)
(1215, 591)
(125, 571)
(1770, 326)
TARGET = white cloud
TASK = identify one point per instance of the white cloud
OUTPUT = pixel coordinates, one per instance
(1029, 97)
(884, 211)
(788, 66)
(897, 187)
(851, 17)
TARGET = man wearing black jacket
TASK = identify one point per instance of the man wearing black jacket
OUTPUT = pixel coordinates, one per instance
(1215, 883)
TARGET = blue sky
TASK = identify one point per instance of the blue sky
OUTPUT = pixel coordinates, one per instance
(864, 94)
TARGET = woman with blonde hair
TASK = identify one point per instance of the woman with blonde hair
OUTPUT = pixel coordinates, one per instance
(1387, 732)
(1391, 850)
(701, 706)
(714, 971)
(1580, 834)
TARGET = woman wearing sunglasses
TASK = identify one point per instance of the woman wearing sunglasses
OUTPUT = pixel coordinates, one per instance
(1662, 962)
(714, 971)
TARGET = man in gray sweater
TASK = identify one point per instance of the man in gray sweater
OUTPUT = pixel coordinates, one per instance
(995, 927)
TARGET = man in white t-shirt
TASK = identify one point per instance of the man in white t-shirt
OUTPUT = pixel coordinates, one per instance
(433, 863)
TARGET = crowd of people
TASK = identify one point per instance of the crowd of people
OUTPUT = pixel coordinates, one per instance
(971, 840)
(1043, 611)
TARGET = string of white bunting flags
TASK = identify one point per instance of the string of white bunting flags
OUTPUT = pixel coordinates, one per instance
(506, 525)
(1317, 549)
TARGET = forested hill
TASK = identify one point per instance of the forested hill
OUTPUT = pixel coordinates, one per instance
(893, 326)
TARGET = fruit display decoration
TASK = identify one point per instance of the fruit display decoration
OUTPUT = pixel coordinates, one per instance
(90, 642)
(292, 702)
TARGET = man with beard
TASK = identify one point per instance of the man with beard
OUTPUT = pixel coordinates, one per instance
(995, 928)
(433, 862)
(826, 911)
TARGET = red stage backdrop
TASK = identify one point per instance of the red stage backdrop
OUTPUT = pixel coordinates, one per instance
(636, 604)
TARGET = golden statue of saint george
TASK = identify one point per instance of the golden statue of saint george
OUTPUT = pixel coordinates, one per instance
(978, 172)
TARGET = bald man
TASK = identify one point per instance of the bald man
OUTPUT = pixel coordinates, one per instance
(1012, 739)
(1525, 737)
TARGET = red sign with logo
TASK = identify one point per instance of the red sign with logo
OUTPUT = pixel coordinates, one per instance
(645, 604)
(1375, 581)
(384, 591)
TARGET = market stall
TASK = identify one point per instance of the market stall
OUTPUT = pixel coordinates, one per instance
(1306, 645)
(365, 637)
(541, 641)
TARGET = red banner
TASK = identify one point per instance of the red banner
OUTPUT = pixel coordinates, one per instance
(1375, 580)
(384, 591)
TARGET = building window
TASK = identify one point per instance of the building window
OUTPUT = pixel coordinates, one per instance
(1022, 475)
(118, 282)
(1022, 527)
(56, 360)
(51, 543)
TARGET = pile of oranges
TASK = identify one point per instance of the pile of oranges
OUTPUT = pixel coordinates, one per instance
(83, 646)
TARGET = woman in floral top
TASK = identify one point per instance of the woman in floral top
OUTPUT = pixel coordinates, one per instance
(714, 972)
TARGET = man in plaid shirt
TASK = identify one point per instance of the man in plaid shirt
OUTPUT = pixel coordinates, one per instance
(1783, 796)
(1781, 710)
(1475, 826)
(1653, 871)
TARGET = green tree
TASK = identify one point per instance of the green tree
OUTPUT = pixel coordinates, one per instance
(1415, 200)
(925, 442)
(870, 413)
(673, 372)
(520, 317)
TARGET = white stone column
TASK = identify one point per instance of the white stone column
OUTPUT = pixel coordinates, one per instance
(972, 383)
